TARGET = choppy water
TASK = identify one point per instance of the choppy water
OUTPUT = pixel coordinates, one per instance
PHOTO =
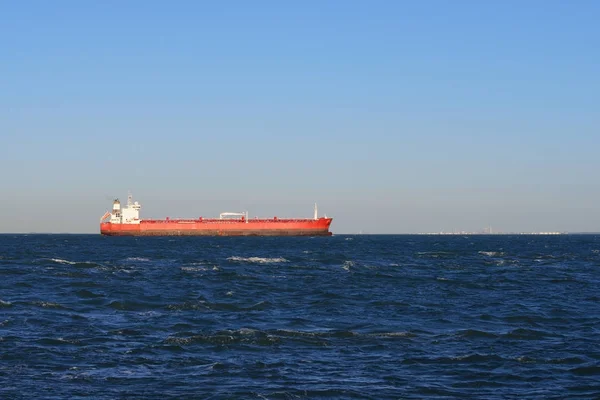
(417, 317)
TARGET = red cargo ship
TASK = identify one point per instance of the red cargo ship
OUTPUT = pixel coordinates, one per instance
(126, 222)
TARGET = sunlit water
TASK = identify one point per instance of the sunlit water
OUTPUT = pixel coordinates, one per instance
(417, 317)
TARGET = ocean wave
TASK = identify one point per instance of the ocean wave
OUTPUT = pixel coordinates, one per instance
(474, 333)
(474, 358)
(87, 264)
(526, 360)
(47, 304)
(492, 253)
(58, 341)
(270, 337)
(527, 334)
(129, 305)
(435, 254)
(5, 303)
(590, 370)
(61, 261)
(193, 269)
(566, 360)
(258, 260)
(205, 305)
(188, 306)
(127, 332)
(237, 336)
(143, 259)
(87, 294)
(392, 334)
(341, 334)
(348, 264)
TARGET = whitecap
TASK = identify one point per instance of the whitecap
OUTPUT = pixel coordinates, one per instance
(61, 261)
(193, 269)
(137, 259)
(347, 265)
(258, 260)
(392, 334)
(246, 331)
(492, 253)
(127, 271)
(291, 332)
(67, 262)
(47, 304)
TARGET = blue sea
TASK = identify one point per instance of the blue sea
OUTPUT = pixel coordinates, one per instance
(342, 317)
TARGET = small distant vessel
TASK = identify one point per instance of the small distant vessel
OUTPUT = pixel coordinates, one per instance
(125, 221)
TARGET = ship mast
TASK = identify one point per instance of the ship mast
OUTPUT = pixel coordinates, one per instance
(316, 212)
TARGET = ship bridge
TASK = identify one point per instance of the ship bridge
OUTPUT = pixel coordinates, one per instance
(127, 215)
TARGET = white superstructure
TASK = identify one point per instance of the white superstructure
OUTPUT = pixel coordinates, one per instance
(127, 215)
(225, 215)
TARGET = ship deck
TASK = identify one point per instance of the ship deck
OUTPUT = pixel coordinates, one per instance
(229, 221)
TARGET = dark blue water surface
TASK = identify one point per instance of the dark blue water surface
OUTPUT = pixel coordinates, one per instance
(416, 317)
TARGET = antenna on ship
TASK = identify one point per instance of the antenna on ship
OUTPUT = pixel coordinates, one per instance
(316, 212)
(129, 199)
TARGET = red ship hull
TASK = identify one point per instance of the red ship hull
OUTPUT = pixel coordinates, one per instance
(220, 227)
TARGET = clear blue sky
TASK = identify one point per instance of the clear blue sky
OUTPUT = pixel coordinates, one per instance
(395, 116)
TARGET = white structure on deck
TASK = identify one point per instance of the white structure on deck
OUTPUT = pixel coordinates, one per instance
(225, 215)
(127, 215)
